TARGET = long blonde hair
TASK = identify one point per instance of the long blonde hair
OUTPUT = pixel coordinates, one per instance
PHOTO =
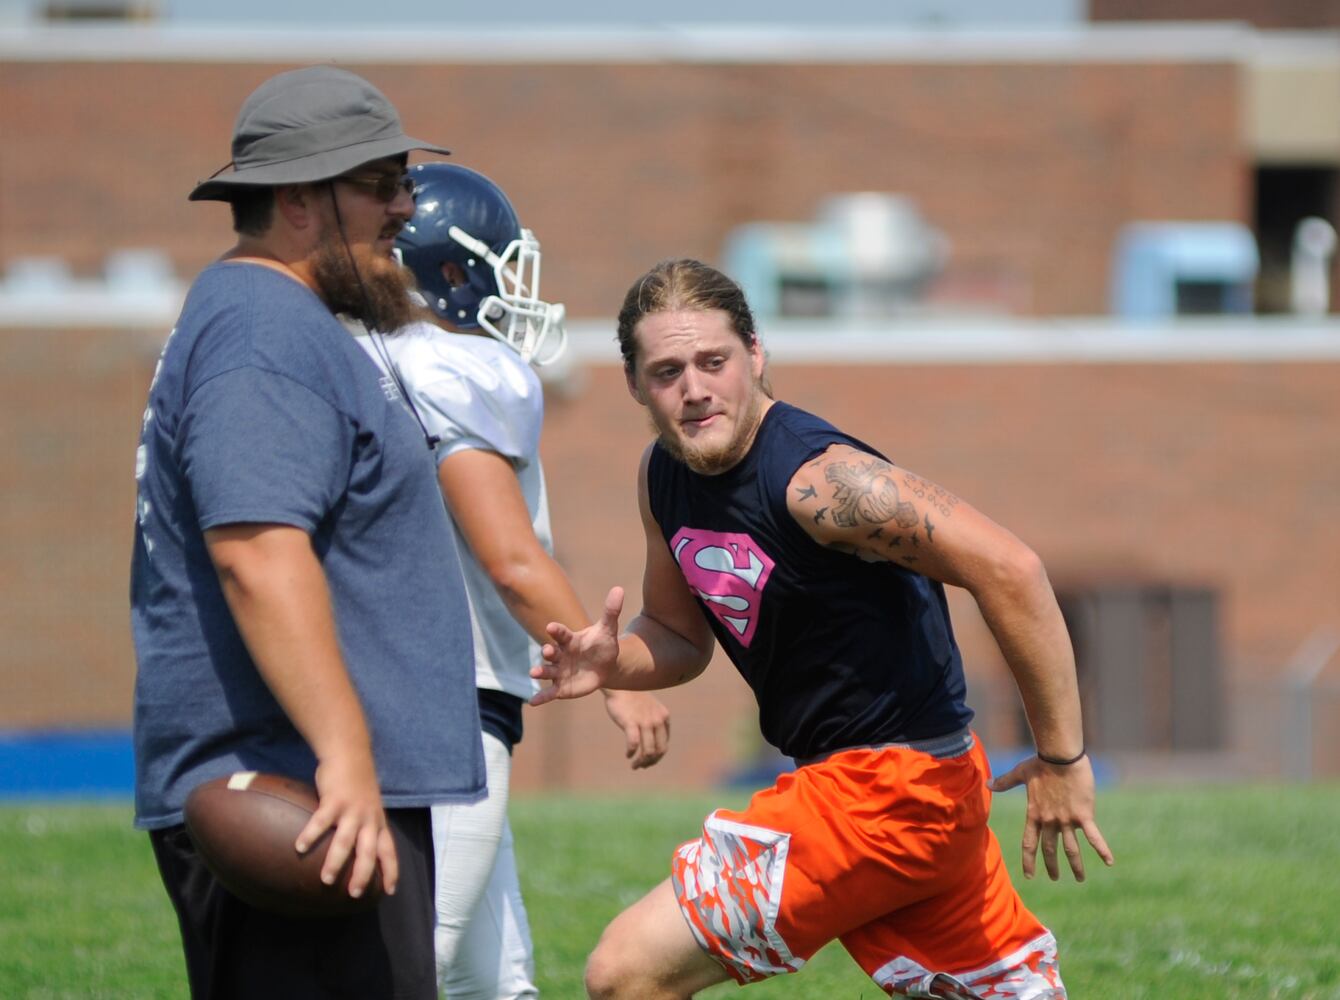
(682, 283)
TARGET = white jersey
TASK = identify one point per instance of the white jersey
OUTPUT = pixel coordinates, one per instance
(476, 392)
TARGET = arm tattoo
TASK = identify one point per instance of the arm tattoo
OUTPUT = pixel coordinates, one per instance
(865, 492)
(937, 496)
(806, 492)
(819, 514)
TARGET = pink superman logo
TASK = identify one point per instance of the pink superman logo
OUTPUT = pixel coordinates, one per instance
(727, 571)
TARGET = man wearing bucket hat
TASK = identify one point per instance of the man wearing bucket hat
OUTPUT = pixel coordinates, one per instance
(289, 608)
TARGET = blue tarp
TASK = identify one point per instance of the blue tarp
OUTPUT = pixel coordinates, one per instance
(100, 763)
(66, 763)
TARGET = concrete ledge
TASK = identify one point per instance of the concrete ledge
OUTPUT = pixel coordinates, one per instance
(1007, 341)
(1155, 42)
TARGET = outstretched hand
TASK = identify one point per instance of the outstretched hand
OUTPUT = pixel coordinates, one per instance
(1060, 802)
(576, 663)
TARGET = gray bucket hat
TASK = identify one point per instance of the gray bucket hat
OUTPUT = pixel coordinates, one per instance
(308, 125)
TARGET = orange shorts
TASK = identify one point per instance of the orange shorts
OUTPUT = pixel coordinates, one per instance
(887, 850)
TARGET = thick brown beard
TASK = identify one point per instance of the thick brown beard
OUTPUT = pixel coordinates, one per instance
(381, 299)
(713, 463)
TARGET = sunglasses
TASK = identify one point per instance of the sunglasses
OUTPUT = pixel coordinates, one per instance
(384, 187)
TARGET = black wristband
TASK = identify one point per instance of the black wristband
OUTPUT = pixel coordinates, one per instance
(1083, 751)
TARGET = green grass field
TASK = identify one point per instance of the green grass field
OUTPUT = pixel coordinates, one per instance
(1218, 893)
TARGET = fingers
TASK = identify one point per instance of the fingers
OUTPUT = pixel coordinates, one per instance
(645, 724)
(349, 808)
(389, 861)
(548, 670)
(1060, 805)
(365, 860)
(1067, 835)
(660, 743)
(545, 695)
(643, 755)
(641, 747)
(367, 842)
(1046, 834)
(1048, 843)
(341, 846)
(1095, 838)
(1010, 779)
(613, 608)
(660, 739)
(632, 743)
(651, 744)
(1030, 846)
(1071, 845)
(316, 826)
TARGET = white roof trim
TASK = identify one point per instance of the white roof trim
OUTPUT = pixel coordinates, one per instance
(911, 341)
(988, 342)
(1125, 43)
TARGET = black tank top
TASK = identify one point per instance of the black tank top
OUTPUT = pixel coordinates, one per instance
(839, 652)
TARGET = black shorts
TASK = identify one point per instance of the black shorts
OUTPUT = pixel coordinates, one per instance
(500, 716)
(237, 951)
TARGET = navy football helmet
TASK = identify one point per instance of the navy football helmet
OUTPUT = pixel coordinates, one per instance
(463, 218)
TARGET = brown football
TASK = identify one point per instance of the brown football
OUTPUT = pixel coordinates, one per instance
(244, 826)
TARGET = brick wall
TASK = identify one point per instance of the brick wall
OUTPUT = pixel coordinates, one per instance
(1030, 169)
(1221, 474)
(1224, 474)
(70, 405)
(1289, 14)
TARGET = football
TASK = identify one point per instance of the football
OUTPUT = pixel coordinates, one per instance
(244, 826)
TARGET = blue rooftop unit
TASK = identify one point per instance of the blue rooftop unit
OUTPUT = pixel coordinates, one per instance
(866, 254)
(1166, 269)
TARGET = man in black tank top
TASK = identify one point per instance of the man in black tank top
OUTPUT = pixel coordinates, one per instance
(818, 565)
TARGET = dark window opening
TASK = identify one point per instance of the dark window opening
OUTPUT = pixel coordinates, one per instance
(1202, 298)
(1149, 666)
(1284, 197)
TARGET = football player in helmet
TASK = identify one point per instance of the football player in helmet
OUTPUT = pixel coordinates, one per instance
(478, 396)
(476, 266)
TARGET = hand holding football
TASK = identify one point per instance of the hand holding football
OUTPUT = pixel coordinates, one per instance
(244, 826)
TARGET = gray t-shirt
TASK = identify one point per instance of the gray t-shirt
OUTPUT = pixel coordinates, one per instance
(263, 410)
